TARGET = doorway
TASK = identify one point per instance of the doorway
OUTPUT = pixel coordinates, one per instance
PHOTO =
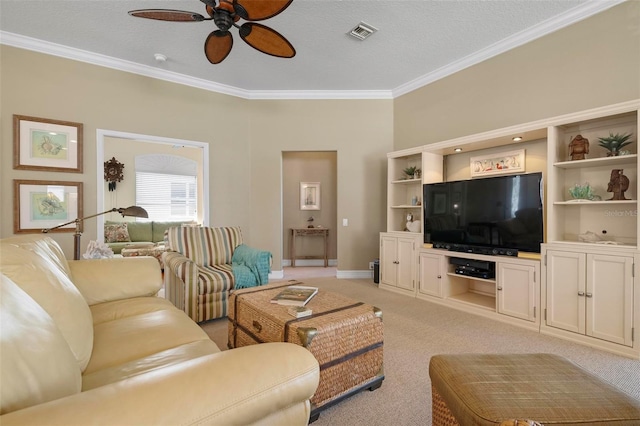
(110, 141)
(302, 170)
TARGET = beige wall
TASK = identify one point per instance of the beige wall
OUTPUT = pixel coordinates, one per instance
(592, 63)
(312, 166)
(46, 86)
(360, 132)
(246, 140)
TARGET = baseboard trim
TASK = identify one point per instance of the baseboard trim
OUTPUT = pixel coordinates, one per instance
(309, 262)
(354, 274)
(366, 274)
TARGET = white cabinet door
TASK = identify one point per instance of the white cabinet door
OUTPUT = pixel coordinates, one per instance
(517, 295)
(565, 276)
(431, 273)
(389, 260)
(609, 298)
(406, 263)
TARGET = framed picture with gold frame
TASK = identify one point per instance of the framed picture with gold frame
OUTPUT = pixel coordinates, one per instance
(42, 204)
(47, 145)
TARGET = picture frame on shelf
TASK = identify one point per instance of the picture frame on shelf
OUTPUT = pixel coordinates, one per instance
(41, 204)
(309, 195)
(498, 164)
(47, 145)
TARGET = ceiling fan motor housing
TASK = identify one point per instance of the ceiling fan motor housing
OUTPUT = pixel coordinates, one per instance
(223, 20)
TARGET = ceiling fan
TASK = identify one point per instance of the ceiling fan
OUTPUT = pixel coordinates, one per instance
(225, 14)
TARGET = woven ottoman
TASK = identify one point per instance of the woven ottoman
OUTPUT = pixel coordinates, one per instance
(472, 389)
(345, 336)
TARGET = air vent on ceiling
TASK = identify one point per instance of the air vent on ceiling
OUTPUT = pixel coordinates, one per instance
(362, 31)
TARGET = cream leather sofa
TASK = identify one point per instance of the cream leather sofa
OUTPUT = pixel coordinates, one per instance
(88, 342)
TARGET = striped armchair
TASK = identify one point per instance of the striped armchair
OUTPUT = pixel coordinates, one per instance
(203, 265)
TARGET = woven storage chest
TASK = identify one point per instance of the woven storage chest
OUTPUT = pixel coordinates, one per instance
(345, 336)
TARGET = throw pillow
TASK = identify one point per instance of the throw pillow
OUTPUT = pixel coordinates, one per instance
(116, 233)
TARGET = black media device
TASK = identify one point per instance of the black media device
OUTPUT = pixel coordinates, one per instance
(474, 268)
(499, 215)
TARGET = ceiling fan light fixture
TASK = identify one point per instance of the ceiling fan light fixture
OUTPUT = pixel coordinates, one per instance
(362, 31)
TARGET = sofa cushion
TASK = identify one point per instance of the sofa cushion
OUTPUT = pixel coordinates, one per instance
(36, 363)
(116, 233)
(35, 265)
(138, 231)
(139, 332)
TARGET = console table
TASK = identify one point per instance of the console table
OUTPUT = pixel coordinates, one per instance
(305, 232)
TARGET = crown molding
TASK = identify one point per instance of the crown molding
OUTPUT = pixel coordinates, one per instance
(572, 16)
(579, 13)
(41, 46)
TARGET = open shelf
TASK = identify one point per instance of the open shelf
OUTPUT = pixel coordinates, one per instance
(601, 161)
(406, 181)
(476, 299)
(466, 277)
(588, 202)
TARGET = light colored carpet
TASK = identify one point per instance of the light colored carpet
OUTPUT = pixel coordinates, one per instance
(415, 330)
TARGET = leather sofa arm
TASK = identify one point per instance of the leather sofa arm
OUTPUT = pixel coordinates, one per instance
(104, 280)
(236, 387)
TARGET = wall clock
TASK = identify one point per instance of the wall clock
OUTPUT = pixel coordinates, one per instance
(113, 172)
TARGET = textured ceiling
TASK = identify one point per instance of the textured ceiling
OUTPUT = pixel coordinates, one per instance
(416, 41)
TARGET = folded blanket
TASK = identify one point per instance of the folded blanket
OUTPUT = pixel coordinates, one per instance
(250, 266)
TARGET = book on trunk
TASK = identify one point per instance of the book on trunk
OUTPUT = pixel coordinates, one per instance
(295, 295)
(299, 311)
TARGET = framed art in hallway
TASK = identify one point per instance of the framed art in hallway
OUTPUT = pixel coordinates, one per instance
(309, 195)
(39, 205)
(47, 145)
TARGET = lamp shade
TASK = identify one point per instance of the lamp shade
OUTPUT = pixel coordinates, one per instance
(134, 211)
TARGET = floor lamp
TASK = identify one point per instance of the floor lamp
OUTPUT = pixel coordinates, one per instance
(133, 211)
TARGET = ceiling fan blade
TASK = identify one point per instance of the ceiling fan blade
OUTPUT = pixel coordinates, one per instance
(266, 40)
(257, 10)
(167, 15)
(218, 46)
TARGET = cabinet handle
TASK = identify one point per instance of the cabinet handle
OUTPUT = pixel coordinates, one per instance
(581, 293)
(499, 288)
(396, 262)
(439, 276)
(589, 295)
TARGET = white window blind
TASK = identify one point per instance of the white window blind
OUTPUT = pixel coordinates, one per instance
(167, 187)
(167, 197)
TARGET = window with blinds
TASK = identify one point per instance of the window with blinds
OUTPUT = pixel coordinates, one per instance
(168, 194)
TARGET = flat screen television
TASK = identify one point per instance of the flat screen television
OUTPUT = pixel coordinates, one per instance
(493, 212)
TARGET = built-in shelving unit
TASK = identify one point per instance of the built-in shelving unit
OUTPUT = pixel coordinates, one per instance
(582, 291)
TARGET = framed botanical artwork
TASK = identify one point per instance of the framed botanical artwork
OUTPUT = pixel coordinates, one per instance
(497, 164)
(309, 195)
(44, 144)
(41, 204)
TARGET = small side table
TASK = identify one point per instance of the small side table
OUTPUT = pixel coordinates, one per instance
(304, 232)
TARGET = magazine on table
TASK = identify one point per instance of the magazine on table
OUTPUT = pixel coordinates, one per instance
(295, 295)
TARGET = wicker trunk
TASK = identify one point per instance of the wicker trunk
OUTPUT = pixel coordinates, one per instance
(344, 335)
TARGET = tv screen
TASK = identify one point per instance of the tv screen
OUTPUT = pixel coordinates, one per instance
(501, 212)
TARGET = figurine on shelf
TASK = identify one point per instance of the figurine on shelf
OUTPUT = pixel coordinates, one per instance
(578, 147)
(310, 220)
(618, 184)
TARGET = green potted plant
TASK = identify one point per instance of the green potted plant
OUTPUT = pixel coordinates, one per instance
(614, 143)
(410, 171)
